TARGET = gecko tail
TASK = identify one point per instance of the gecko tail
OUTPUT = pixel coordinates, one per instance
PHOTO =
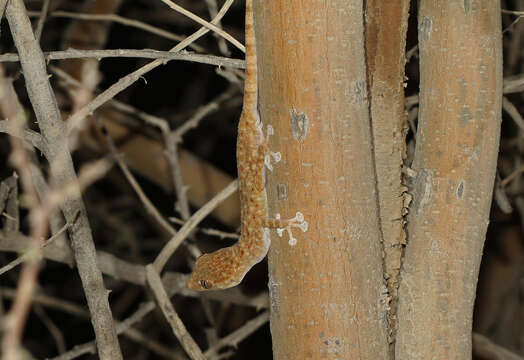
(251, 82)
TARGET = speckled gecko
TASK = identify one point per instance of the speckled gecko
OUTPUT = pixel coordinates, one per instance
(226, 267)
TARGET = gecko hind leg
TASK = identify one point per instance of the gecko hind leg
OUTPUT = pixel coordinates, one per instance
(286, 225)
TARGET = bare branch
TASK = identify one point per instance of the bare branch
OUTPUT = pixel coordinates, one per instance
(208, 25)
(31, 253)
(185, 230)
(237, 336)
(171, 316)
(132, 53)
(30, 136)
(120, 20)
(486, 349)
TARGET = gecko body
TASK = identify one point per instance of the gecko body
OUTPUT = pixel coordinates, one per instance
(227, 267)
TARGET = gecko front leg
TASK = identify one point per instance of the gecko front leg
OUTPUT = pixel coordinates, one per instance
(286, 225)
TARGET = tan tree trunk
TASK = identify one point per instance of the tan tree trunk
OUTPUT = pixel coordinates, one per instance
(386, 25)
(455, 161)
(327, 293)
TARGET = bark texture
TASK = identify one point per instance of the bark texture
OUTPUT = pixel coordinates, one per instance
(386, 25)
(455, 161)
(327, 293)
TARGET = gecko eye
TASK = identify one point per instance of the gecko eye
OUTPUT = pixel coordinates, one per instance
(206, 284)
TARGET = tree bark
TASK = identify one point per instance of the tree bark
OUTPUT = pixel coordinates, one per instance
(386, 25)
(455, 160)
(327, 293)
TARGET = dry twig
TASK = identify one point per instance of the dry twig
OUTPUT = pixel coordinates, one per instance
(187, 342)
(132, 53)
(185, 230)
(120, 20)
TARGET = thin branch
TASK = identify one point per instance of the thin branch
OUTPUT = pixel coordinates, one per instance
(51, 302)
(28, 277)
(238, 335)
(56, 220)
(120, 20)
(171, 138)
(152, 344)
(511, 12)
(150, 207)
(500, 196)
(41, 20)
(38, 226)
(52, 328)
(202, 31)
(208, 231)
(90, 347)
(132, 53)
(200, 113)
(513, 84)
(411, 52)
(30, 137)
(185, 230)
(179, 330)
(108, 263)
(512, 176)
(213, 11)
(76, 310)
(208, 25)
(32, 252)
(486, 349)
(513, 112)
(182, 203)
(10, 204)
(3, 4)
(123, 270)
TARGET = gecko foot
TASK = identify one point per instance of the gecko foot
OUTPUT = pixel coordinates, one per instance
(267, 159)
(298, 221)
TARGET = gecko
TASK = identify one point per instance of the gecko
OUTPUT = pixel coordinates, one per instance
(227, 267)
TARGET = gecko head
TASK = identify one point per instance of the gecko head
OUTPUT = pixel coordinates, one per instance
(214, 271)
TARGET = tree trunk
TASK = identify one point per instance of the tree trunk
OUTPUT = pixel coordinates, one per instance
(327, 293)
(455, 160)
(386, 25)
